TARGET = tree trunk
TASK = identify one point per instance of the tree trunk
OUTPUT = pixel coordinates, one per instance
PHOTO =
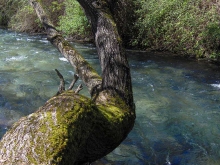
(115, 69)
(70, 128)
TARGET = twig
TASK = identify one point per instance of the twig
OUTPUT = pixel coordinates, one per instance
(76, 77)
(62, 82)
(79, 88)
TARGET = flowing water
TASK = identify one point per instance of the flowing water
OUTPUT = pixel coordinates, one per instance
(177, 101)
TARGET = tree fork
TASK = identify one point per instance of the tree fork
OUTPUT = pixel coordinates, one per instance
(71, 129)
(115, 68)
(116, 79)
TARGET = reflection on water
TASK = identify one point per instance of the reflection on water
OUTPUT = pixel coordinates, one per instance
(177, 101)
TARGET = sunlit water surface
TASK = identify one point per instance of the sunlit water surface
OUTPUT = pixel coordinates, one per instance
(177, 101)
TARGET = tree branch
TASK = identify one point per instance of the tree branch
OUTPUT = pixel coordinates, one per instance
(79, 88)
(89, 76)
(62, 83)
(76, 77)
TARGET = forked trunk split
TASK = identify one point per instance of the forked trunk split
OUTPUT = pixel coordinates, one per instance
(71, 129)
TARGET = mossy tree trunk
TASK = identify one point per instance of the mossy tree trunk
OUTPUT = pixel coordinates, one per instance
(71, 129)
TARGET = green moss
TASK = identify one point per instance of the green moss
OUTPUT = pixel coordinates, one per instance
(60, 130)
(68, 127)
(115, 113)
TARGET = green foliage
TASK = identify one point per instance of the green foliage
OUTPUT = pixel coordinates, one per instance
(74, 21)
(24, 20)
(211, 39)
(7, 9)
(179, 26)
(67, 15)
(189, 27)
(56, 6)
(20, 16)
(54, 9)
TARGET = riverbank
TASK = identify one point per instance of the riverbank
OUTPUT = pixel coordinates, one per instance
(190, 29)
(213, 63)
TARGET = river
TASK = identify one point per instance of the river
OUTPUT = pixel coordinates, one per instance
(177, 101)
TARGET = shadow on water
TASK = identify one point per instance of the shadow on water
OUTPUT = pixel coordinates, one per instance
(177, 100)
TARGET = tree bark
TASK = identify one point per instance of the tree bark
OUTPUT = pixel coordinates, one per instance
(70, 128)
(115, 68)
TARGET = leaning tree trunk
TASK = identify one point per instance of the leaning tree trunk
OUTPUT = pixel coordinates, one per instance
(71, 129)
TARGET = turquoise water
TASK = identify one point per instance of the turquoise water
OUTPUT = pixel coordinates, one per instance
(177, 101)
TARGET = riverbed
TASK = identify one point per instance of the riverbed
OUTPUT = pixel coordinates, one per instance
(177, 100)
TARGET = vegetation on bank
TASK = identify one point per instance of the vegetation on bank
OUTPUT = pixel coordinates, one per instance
(189, 27)
(74, 21)
(67, 15)
(18, 16)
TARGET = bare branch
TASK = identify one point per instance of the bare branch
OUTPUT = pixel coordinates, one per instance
(62, 82)
(79, 88)
(76, 77)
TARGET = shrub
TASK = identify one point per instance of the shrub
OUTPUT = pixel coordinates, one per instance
(19, 15)
(74, 21)
(24, 20)
(7, 9)
(211, 39)
(178, 26)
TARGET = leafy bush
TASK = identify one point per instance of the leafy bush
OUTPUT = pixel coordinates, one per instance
(7, 9)
(24, 20)
(188, 27)
(74, 21)
(19, 15)
(67, 15)
(211, 39)
(178, 26)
